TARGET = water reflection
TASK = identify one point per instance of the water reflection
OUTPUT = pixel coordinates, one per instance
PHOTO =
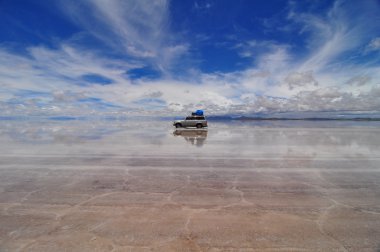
(195, 137)
(243, 139)
(66, 132)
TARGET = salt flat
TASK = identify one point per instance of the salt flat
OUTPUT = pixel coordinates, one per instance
(143, 186)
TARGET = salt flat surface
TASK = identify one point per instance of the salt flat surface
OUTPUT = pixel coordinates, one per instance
(144, 186)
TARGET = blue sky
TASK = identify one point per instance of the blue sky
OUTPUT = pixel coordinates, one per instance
(66, 57)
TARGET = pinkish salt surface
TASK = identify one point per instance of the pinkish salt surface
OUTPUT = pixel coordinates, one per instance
(142, 186)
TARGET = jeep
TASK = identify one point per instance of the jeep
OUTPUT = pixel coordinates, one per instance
(191, 121)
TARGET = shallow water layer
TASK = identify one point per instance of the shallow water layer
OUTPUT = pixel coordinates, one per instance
(143, 186)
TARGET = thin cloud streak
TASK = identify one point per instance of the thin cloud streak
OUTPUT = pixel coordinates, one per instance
(137, 29)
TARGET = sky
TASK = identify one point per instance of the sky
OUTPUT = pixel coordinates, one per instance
(162, 57)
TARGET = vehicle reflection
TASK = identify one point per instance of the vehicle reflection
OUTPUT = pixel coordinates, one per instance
(195, 137)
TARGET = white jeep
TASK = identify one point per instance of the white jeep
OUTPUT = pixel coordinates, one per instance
(198, 121)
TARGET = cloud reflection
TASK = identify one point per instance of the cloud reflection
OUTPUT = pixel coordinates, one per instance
(244, 139)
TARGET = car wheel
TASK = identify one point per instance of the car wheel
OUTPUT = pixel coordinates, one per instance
(178, 125)
(199, 125)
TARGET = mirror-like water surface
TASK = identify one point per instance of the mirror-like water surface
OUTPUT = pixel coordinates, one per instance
(143, 185)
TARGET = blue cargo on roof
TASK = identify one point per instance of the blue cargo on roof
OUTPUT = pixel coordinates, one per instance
(199, 112)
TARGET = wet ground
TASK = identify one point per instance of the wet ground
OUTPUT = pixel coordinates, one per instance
(143, 186)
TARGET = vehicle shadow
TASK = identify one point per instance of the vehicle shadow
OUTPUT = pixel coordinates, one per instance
(195, 137)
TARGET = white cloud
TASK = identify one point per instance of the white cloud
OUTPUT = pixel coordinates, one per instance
(297, 79)
(360, 80)
(202, 5)
(374, 45)
(138, 29)
(343, 29)
(67, 96)
(49, 70)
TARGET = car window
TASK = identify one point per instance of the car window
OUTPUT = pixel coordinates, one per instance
(195, 118)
